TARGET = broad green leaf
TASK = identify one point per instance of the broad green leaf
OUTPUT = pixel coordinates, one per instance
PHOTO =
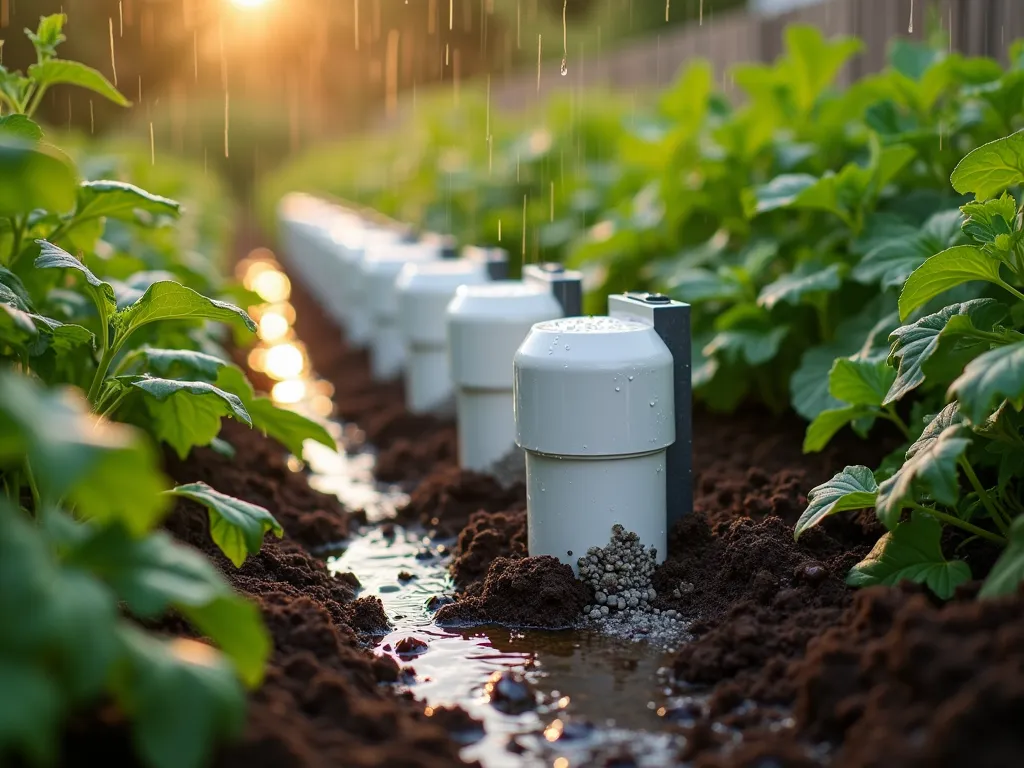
(48, 35)
(119, 200)
(857, 335)
(860, 382)
(187, 413)
(697, 285)
(913, 345)
(154, 573)
(991, 220)
(17, 328)
(913, 59)
(988, 379)
(1006, 575)
(931, 466)
(172, 301)
(237, 526)
(176, 364)
(31, 711)
(105, 469)
(890, 161)
(827, 423)
(853, 488)
(815, 60)
(61, 72)
(63, 336)
(182, 697)
(794, 190)
(686, 100)
(20, 127)
(952, 267)
(895, 257)
(911, 552)
(289, 428)
(991, 168)
(807, 278)
(237, 627)
(55, 257)
(34, 176)
(750, 346)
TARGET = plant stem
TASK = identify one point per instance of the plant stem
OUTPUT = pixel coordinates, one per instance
(36, 502)
(109, 410)
(958, 523)
(1012, 290)
(994, 511)
(37, 99)
(890, 414)
(101, 372)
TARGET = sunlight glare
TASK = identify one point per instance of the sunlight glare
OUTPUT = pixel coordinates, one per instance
(250, 3)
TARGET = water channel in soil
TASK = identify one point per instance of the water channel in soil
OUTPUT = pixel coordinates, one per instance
(594, 692)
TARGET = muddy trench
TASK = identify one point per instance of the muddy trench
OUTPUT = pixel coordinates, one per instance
(761, 656)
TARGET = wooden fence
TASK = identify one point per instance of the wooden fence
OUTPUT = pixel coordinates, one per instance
(974, 27)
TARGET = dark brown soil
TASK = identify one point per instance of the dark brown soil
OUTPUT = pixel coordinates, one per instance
(322, 702)
(524, 592)
(883, 677)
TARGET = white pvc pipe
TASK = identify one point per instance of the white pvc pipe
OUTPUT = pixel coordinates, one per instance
(486, 324)
(381, 268)
(424, 292)
(595, 414)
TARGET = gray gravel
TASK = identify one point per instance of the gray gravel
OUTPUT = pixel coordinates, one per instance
(620, 575)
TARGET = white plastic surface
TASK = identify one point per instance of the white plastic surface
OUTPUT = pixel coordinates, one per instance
(572, 503)
(595, 414)
(359, 321)
(594, 386)
(486, 324)
(381, 267)
(424, 292)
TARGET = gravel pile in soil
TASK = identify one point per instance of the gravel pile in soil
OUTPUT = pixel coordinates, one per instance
(525, 592)
(806, 669)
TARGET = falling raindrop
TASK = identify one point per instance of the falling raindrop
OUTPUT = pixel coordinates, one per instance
(618, 389)
(565, 46)
(667, 4)
(702, 13)
(113, 61)
(152, 145)
(355, 23)
(910, 26)
(630, 378)
(499, 230)
(538, 62)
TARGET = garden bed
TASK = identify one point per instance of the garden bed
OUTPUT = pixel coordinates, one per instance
(807, 670)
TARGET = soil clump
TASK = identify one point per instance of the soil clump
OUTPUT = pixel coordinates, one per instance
(524, 592)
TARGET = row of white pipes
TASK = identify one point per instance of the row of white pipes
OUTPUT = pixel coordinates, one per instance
(599, 405)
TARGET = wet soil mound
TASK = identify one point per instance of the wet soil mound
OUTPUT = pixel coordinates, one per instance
(486, 537)
(899, 681)
(528, 592)
(449, 496)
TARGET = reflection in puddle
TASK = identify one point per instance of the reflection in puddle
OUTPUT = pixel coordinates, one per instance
(594, 692)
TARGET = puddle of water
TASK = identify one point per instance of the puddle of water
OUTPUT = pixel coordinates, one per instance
(593, 691)
(581, 677)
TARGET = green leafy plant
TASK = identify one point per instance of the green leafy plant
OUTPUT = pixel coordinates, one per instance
(962, 471)
(110, 340)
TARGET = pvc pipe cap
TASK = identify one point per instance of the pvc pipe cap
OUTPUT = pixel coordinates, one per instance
(424, 291)
(486, 325)
(594, 386)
